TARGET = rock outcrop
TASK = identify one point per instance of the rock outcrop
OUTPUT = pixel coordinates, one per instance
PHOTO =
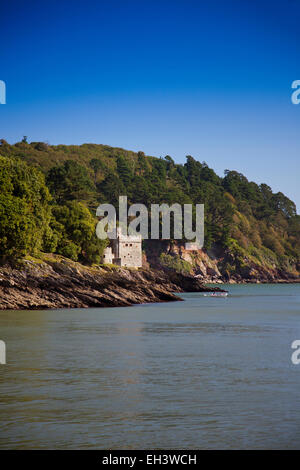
(65, 284)
(218, 265)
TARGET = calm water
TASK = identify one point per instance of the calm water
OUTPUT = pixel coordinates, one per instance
(206, 373)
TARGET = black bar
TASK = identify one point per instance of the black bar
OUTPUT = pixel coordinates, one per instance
(138, 458)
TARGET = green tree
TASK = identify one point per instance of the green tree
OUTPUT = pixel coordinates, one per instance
(97, 165)
(75, 227)
(111, 188)
(70, 181)
(124, 170)
(24, 209)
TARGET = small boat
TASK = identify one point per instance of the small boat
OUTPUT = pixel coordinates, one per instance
(216, 294)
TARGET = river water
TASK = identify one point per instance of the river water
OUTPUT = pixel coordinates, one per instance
(207, 373)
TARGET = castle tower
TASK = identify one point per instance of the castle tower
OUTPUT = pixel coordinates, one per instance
(125, 250)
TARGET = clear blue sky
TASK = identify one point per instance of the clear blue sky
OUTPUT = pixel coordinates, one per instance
(210, 79)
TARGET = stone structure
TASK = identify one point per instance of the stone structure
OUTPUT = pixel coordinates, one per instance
(125, 250)
(108, 256)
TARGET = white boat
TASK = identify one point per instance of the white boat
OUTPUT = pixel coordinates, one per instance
(216, 294)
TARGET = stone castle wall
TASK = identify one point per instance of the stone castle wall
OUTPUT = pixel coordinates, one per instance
(124, 251)
(130, 253)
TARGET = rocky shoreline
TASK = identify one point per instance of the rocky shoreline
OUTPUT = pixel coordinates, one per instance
(60, 283)
(54, 284)
(220, 266)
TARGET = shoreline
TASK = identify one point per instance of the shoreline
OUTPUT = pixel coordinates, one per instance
(56, 283)
(254, 281)
(60, 283)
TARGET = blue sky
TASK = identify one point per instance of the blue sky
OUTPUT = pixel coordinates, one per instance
(210, 79)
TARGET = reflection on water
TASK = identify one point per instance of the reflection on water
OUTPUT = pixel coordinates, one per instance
(204, 373)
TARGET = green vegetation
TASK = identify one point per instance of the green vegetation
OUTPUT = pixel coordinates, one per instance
(31, 221)
(24, 209)
(49, 195)
(176, 263)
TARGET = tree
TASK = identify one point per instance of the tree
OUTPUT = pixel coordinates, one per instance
(76, 229)
(111, 188)
(284, 204)
(170, 163)
(24, 208)
(193, 171)
(96, 165)
(124, 171)
(70, 181)
(142, 163)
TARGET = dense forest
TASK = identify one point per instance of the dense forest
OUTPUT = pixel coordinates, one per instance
(49, 196)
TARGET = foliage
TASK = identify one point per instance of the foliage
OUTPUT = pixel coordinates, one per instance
(175, 262)
(69, 181)
(75, 227)
(240, 216)
(24, 208)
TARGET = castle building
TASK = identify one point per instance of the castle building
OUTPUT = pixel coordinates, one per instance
(125, 250)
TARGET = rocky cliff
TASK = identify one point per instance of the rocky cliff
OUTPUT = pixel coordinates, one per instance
(218, 265)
